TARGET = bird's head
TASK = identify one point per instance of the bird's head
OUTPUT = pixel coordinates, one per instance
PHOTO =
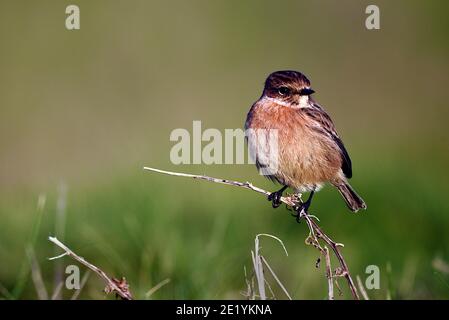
(288, 88)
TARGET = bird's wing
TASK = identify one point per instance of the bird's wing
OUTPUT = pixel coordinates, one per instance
(324, 124)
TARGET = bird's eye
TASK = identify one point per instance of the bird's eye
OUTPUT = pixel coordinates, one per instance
(283, 91)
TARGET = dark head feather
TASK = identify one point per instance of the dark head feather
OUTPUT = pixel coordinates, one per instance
(286, 85)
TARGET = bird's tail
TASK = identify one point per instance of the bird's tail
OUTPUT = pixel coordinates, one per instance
(352, 199)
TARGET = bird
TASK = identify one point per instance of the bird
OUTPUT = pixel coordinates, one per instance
(308, 150)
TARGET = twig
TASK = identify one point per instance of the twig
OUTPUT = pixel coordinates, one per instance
(291, 201)
(316, 232)
(246, 185)
(120, 287)
(330, 280)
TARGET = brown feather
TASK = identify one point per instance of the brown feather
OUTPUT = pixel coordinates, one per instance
(310, 151)
(307, 157)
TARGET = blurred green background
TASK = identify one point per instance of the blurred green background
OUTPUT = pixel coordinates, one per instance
(81, 112)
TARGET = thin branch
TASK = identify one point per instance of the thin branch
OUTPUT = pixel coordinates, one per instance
(330, 279)
(291, 201)
(59, 256)
(246, 185)
(316, 232)
(113, 285)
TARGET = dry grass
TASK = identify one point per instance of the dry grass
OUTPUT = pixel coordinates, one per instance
(259, 262)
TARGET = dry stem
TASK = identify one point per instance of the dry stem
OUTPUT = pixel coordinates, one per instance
(330, 279)
(120, 287)
(292, 201)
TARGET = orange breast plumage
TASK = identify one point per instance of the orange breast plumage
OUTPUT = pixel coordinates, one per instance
(302, 157)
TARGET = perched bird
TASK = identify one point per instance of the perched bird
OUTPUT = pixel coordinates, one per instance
(309, 151)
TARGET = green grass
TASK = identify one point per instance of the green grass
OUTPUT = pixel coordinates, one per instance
(199, 235)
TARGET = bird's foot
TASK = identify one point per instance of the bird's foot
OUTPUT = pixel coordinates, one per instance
(275, 198)
(302, 207)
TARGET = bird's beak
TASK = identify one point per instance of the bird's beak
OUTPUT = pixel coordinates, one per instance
(306, 92)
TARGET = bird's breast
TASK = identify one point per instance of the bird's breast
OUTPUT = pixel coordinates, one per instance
(304, 155)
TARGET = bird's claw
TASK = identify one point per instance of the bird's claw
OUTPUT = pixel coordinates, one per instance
(298, 209)
(275, 198)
